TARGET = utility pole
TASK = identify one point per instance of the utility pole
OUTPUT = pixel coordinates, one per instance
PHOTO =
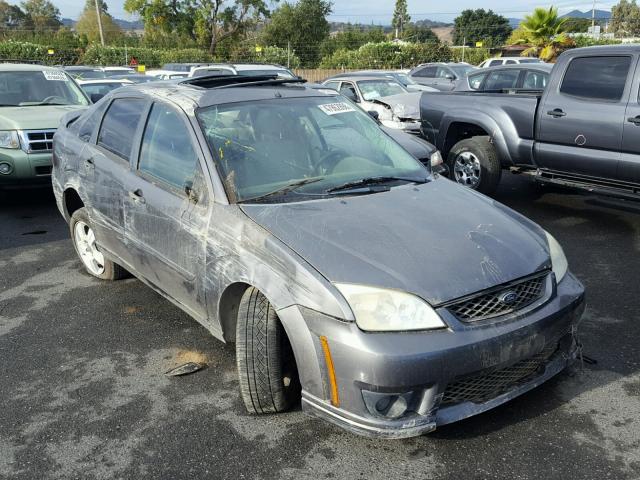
(288, 53)
(98, 13)
(464, 46)
(593, 19)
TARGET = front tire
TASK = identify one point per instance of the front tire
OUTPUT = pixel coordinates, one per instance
(473, 162)
(84, 242)
(266, 366)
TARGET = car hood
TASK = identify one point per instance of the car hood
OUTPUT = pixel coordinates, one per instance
(35, 117)
(439, 241)
(403, 105)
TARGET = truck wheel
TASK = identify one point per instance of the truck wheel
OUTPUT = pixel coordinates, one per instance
(266, 366)
(473, 162)
(84, 241)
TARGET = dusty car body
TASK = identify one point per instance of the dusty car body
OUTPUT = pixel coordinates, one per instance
(407, 301)
(396, 106)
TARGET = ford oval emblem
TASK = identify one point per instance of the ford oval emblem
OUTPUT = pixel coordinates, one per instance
(509, 298)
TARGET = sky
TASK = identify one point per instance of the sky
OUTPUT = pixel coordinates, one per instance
(380, 11)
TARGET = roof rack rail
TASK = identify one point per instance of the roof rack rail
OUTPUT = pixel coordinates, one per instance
(225, 81)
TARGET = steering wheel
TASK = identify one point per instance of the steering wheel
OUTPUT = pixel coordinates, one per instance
(330, 159)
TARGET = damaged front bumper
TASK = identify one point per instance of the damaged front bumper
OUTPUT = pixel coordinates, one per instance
(397, 385)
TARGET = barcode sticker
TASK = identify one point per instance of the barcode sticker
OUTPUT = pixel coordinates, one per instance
(335, 108)
(55, 75)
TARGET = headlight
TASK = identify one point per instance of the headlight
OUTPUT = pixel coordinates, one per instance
(382, 310)
(9, 139)
(436, 158)
(559, 263)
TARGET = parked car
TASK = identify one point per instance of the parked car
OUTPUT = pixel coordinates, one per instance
(81, 72)
(526, 77)
(96, 89)
(183, 67)
(134, 77)
(441, 76)
(499, 61)
(257, 69)
(33, 98)
(400, 77)
(166, 74)
(113, 71)
(581, 131)
(283, 218)
(395, 105)
(214, 69)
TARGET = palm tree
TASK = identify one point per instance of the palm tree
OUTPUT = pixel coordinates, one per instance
(544, 31)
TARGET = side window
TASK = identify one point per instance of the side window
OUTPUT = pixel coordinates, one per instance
(349, 91)
(427, 72)
(332, 85)
(475, 81)
(119, 125)
(502, 79)
(495, 63)
(596, 78)
(510, 62)
(535, 80)
(167, 151)
(444, 72)
(87, 124)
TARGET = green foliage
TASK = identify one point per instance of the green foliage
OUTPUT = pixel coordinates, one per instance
(270, 54)
(625, 18)
(302, 25)
(419, 34)
(401, 17)
(11, 50)
(87, 24)
(44, 15)
(352, 37)
(544, 32)
(481, 26)
(577, 25)
(12, 17)
(97, 55)
(387, 55)
(587, 41)
(474, 56)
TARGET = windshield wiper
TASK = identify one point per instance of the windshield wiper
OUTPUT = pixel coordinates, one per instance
(9, 105)
(374, 181)
(38, 104)
(289, 187)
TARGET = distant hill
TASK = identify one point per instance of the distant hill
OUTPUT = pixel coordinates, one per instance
(599, 14)
(124, 24)
(431, 23)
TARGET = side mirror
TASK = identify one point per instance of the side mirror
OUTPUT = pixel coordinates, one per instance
(352, 96)
(96, 97)
(375, 115)
(190, 192)
(450, 77)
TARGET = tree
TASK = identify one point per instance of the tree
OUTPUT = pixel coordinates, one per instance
(11, 16)
(401, 17)
(88, 23)
(419, 34)
(43, 14)
(352, 37)
(625, 18)
(481, 26)
(303, 25)
(578, 25)
(544, 32)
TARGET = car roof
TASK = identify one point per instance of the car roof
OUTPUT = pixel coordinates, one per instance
(241, 89)
(81, 67)
(101, 81)
(24, 67)
(258, 66)
(358, 78)
(521, 66)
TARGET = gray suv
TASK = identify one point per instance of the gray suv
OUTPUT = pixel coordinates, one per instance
(283, 219)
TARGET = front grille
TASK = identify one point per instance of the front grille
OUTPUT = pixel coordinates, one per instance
(495, 303)
(37, 141)
(488, 384)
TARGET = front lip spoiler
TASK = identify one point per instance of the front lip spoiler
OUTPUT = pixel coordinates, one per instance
(415, 426)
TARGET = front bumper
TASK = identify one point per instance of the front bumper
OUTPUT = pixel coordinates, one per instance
(419, 366)
(27, 168)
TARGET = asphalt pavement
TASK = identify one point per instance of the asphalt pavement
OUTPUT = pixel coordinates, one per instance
(83, 392)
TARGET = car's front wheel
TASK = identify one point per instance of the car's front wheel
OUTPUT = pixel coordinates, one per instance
(473, 162)
(84, 241)
(266, 365)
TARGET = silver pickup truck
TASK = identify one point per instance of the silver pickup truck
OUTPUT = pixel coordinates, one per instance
(582, 131)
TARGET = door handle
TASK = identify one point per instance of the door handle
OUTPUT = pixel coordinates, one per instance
(634, 120)
(137, 196)
(556, 113)
(89, 162)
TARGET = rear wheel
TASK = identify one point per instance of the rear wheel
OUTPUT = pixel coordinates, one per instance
(473, 162)
(266, 366)
(84, 241)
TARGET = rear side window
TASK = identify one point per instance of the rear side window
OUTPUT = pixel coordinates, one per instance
(495, 63)
(502, 79)
(167, 152)
(332, 85)
(535, 80)
(475, 81)
(119, 126)
(597, 78)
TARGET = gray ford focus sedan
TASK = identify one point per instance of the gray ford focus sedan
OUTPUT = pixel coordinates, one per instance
(284, 219)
